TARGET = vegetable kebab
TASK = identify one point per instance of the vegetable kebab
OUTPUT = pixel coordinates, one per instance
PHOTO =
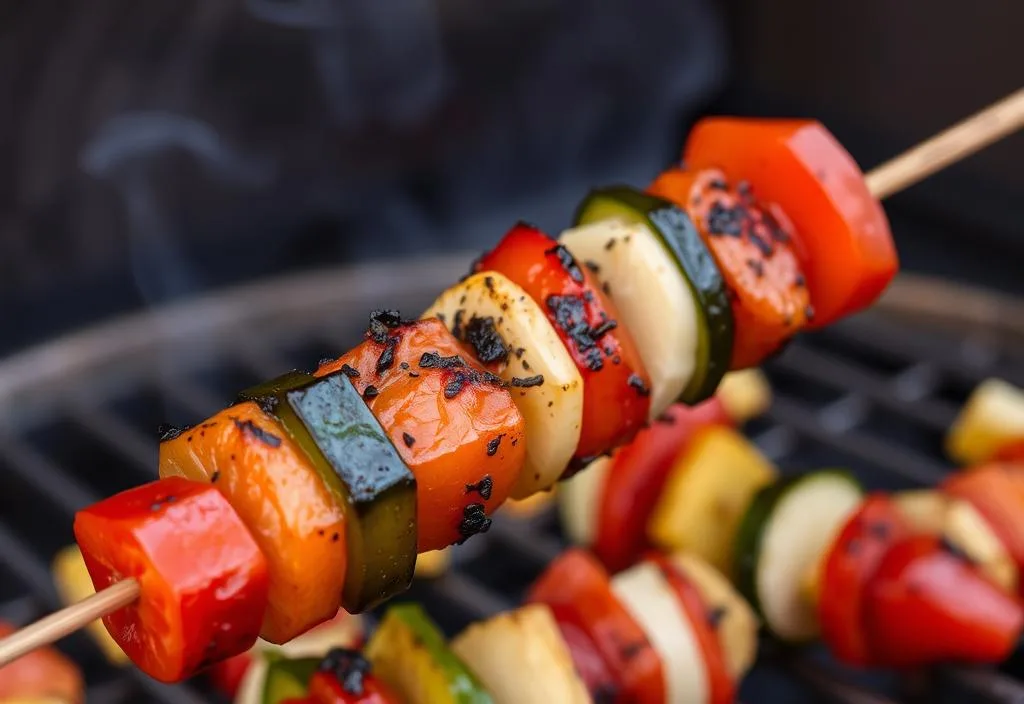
(910, 579)
(318, 489)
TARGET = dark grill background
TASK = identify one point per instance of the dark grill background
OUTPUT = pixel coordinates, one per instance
(874, 394)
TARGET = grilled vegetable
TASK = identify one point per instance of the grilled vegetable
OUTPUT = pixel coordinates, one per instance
(287, 679)
(202, 576)
(580, 499)
(935, 513)
(74, 584)
(721, 684)
(728, 613)
(991, 420)
(847, 567)
(637, 477)
(842, 235)
(650, 599)
(996, 491)
(433, 564)
(454, 426)
(578, 592)
(409, 653)
(44, 676)
(351, 453)
(546, 386)
(744, 394)
(752, 245)
(616, 388)
(343, 631)
(666, 286)
(272, 486)
(926, 603)
(344, 677)
(706, 495)
(521, 658)
(786, 529)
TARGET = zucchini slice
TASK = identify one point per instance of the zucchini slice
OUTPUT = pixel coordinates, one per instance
(546, 385)
(784, 532)
(331, 422)
(650, 600)
(579, 501)
(409, 653)
(620, 225)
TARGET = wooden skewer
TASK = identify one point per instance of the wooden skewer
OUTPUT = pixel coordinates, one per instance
(951, 145)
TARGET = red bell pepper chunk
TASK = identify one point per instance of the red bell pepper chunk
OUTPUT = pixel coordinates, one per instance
(721, 686)
(928, 604)
(845, 246)
(616, 388)
(226, 675)
(577, 590)
(851, 562)
(203, 579)
(637, 476)
(344, 677)
(1013, 452)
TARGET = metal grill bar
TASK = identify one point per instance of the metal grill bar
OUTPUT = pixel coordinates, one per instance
(875, 393)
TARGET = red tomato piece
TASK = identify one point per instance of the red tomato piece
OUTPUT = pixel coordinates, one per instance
(927, 604)
(577, 590)
(226, 675)
(616, 388)
(721, 686)
(638, 474)
(344, 677)
(456, 429)
(846, 248)
(203, 578)
(852, 560)
(753, 246)
(996, 491)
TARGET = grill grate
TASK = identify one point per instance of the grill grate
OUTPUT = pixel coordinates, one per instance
(78, 419)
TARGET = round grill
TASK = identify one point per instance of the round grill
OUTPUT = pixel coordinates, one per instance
(78, 421)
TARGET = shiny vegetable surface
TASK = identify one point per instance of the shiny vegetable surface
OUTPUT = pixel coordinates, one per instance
(451, 421)
(927, 604)
(202, 577)
(297, 522)
(637, 477)
(578, 591)
(850, 564)
(753, 246)
(344, 441)
(546, 385)
(409, 653)
(842, 236)
(648, 250)
(616, 388)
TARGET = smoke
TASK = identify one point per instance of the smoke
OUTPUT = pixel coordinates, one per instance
(122, 153)
(376, 61)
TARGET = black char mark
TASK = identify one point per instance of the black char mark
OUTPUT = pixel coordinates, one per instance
(349, 667)
(381, 321)
(474, 521)
(570, 315)
(249, 428)
(484, 487)
(493, 445)
(166, 431)
(638, 384)
(387, 355)
(568, 262)
(481, 334)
